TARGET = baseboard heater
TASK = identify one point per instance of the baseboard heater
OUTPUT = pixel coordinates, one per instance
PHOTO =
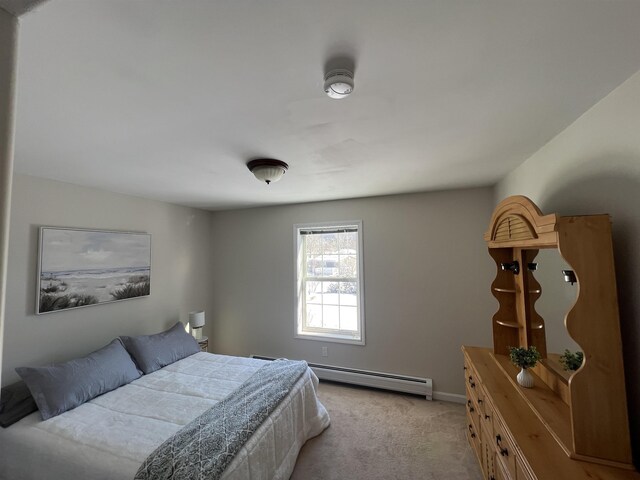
(366, 378)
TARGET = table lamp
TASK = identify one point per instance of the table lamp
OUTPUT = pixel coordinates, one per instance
(196, 322)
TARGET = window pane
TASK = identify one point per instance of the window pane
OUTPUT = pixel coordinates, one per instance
(349, 318)
(314, 292)
(314, 316)
(331, 317)
(330, 243)
(332, 293)
(331, 265)
(314, 265)
(313, 244)
(348, 266)
(348, 242)
(329, 287)
(348, 293)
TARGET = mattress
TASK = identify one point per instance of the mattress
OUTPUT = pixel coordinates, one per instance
(109, 437)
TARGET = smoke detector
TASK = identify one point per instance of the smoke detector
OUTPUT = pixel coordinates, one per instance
(338, 83)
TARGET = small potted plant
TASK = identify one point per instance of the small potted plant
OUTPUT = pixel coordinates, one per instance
(571, 361)
(524, 358)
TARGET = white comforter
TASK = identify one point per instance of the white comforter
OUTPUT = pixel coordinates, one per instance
(109, 437)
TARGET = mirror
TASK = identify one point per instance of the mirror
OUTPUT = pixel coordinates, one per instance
(555, 301)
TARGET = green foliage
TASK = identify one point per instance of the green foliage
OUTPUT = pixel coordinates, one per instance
(55, 285)
(131, 290)
(50, 289)
(571, 361)
(49, 303)
(524, 357)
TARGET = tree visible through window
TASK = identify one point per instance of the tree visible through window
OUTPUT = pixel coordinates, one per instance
(329, 281)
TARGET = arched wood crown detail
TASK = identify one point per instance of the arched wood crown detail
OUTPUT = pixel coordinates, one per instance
(518, 219)
(513, 227)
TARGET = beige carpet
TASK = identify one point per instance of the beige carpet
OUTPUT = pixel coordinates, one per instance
(383, 435)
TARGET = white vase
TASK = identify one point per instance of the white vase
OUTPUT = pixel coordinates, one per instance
(525, 378)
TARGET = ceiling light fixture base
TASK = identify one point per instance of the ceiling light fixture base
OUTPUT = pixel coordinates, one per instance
(267, 170)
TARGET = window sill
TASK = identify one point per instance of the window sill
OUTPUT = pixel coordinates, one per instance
(329, 338)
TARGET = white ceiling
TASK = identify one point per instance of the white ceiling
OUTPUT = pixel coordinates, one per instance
(19, 7)
(169, 99)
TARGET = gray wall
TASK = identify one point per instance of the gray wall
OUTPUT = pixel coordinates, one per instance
(594, 167)
(426, 282)
(180, 270)
(8, 54)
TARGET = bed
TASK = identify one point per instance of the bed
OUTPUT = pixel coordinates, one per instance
(109, 437)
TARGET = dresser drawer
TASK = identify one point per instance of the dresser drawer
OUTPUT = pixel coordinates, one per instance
(500, 472)
(505, 450)
(486, 418)
(473, 411)
(488, 455)
(473, 386)
(473, 435)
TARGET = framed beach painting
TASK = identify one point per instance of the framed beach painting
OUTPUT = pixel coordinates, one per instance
(79, 268)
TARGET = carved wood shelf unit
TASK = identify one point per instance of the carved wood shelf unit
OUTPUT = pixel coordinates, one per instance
(575, 420)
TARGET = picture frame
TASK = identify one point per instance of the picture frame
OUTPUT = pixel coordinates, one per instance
(85, 267)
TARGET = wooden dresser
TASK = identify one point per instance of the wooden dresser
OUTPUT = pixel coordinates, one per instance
(570, 425)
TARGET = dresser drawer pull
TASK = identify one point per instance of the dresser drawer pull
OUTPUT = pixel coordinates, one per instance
(486, 417)
(473, 435)
(503, 451)
(471, 409)
(480, 401)
(471, 382)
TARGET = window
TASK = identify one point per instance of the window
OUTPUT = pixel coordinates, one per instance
(329, 282)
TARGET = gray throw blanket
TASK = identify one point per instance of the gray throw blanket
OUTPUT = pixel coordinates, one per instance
(203, 448)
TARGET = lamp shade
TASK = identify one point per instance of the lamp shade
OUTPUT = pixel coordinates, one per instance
(196, 319)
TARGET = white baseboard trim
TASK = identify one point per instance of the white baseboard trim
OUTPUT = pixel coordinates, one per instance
(368, 378)
(450, 397)
(417, 386)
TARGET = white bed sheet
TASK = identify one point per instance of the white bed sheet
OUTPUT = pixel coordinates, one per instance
(109, 437)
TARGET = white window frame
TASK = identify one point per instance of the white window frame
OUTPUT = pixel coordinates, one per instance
(326, 335)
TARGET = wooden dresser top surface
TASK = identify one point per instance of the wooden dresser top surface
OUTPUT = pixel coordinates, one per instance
(543, 453)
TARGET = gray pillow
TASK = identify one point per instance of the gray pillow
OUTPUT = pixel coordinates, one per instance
(16, 403)
(63, 386)
(152, 352)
